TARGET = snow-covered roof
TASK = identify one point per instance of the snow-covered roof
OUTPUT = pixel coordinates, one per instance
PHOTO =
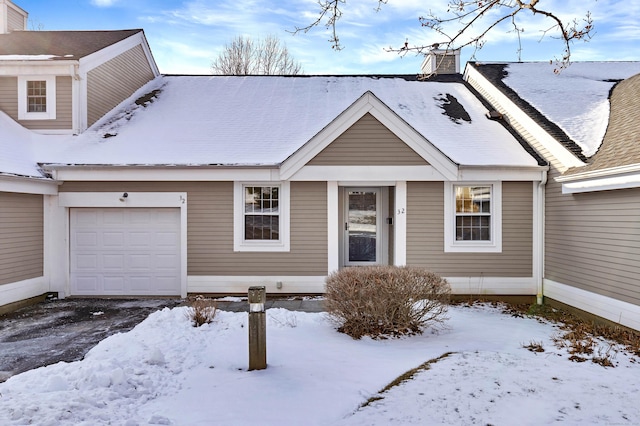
(576, 99)
(18, 153)
(262, 120)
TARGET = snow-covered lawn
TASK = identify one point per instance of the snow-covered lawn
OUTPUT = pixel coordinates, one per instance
(167, 372)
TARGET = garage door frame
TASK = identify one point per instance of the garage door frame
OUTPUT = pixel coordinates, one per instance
(69, 200)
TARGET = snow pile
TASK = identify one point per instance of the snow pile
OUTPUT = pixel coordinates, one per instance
(166, 372)
(576, 99)
(17, 148)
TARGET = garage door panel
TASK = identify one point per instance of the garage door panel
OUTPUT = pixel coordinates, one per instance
(164, 285)
(113, 240)
(125, 251)
(86, 239)
(87, 283)
(114, 284)
(140, 239)
(111, 217)
(87, 262)
(113, 262)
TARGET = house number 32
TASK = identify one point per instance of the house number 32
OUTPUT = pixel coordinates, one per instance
(401, 210)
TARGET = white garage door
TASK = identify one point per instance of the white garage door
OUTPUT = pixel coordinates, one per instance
(125, 252)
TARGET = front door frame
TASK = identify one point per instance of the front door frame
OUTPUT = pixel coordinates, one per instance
(382, 228)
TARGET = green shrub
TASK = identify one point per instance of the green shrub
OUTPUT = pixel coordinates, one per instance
(380, 301)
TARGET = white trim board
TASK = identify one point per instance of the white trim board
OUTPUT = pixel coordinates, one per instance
(197, 284)
(22, 290)
(501, 286)
(609, 308)
(316, 284)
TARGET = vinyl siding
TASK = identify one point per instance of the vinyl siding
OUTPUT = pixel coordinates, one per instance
(210, 228)
(63, 121)
(15, 20)
(367, 143)
(21, 237)
(425, 234)
(592, 241)
(114, 81)
(9, 96)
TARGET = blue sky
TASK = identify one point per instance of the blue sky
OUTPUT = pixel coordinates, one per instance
(186, 35)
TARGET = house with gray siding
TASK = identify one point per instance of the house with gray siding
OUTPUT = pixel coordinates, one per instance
(138, 184)
(592, 196)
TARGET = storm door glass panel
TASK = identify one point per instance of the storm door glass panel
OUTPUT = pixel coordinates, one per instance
(362, 226)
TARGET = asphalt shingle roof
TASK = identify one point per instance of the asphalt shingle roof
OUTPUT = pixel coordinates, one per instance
(60, 43)
(621, 144)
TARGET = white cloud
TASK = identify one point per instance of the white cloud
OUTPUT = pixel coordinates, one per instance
(103, 3)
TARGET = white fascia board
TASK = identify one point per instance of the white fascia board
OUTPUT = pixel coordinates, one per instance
(28, 186)
(368, 103)
(623, 177)
(34, 68)
(626, 181)
(492, 173)
(368, 174)
(510, 109)
(158, 174)
(98, 58)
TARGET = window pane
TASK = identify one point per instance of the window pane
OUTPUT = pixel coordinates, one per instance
(261, 209)
(261, 227)
(36, 96)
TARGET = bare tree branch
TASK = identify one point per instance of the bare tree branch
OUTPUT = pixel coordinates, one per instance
(468, 15)
(244, 56)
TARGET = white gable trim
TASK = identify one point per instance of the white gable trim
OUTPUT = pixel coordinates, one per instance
(369, 103)
(511, 110)
(98, 58)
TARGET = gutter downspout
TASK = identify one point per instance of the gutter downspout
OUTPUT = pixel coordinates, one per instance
(540, 238)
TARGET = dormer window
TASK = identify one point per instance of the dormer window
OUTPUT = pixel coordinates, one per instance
(36, 98)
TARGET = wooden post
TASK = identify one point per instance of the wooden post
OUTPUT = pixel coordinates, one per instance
(257, 329)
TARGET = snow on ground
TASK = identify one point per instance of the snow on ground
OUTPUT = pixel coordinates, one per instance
(576, 99)
(165, 371)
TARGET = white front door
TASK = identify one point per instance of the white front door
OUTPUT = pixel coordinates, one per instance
(363, 226)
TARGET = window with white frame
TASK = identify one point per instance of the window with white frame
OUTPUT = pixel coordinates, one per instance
(36, 98)
(261, 219)
(261, 213)
(473, 217)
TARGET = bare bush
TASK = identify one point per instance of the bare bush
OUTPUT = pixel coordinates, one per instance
(201, 311)
(380, 301)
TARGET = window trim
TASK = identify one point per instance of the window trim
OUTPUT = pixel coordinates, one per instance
(23, 113)
(451, 245)
(239, 243)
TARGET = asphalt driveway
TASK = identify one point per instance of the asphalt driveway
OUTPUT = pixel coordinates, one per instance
(65, 330)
